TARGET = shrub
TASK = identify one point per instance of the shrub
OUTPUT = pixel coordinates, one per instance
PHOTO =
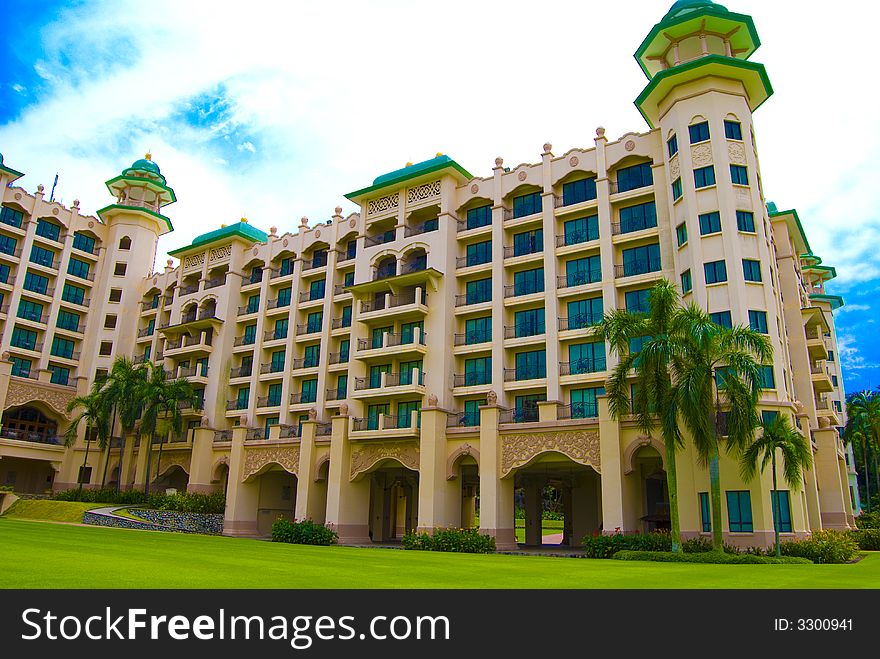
(5, 488)
(824, 547)
(182, 502)
(706, 557)
(867, 539)
(305, 532)
(467, 541)
(869, 520)
(106, 495)
(696, 545)
(605, 546)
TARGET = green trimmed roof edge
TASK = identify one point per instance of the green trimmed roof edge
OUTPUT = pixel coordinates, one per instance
(14, 172)
(834, 300)
(800, 227)
(407, 175)
(139, 179)
(240, 229)
(158, 216)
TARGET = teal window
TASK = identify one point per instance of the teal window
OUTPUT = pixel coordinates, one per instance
(60, 375)
(781, 510)
(638, 301)
(286, 267)
(276, 364)
(583, 313)
(705, 512)
(699, 132)
(148, 350)
(373, 414)
(11, 217)
(710, 223)
(471, 416)
(722, 374)
(405, 411)
(478, 291)
(704, 176)
(528, 281)
(637, 176)
(529, 323)
(739, 175)
(48, 229)
(638, 217)
(408, 332)
(342, 387)
(256, 275)
(250, 334)
(244, 394)
(83, 243)
(676, 189)
(745, 221)
(30, 310)
(316, 290)
(351, 249)
(672, 145)
(253, 304)
(637, 343)
(733, 130)
(528, 242)
(62, 347)
(377, 334)
(20, 367)
(527, 204)
(344, 348)
(584, 404)
(349, 279)
(78, 268)
(314, 321)
(479, 217)
(376, 374)
(477, 371)
(581, 230)
(766, 378)
(270, 421)
(830, 355)
(67, 320)
(834, 380)
(7, 244)
(309, 391)
(4, 271)
(531, 365)
(586, 357)
(478, 330)
(311, 355)
(640, 260)
(687, 283)
(42, 256)
(758, 321)
(284, 296)
(73, 294)
(526, 407)
(752, 270)
(768, 417)
(274, 397)
(36, 283)
(280, 329)
(587, 270)
(722, 318)
(24, 338)
(319, 258)
(715, 271)
(578, 191)
(479, 253)
(406, 372)
(346, 316)
(739, 511)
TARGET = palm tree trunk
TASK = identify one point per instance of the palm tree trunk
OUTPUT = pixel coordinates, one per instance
(109, 450)
(672, 486)
(85, 462)
(159, 457)
(149, 463)
(777, 512)
(715, 492)
(876, 473)
(867, 475)
(121, 453)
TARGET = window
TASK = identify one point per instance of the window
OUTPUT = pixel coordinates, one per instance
(531, 365)
(768, 417)
(346, 316)
(106, 349)
(478, 291)
(687, 283)
(528, 281)
(752, 270)
(638, 301)
(7, 245)
(704, 176)
(314, 321)
(30, 310)
(716, 272)
(699, 132)
(637, 343)
(739, 175)
(833, 380)
(349, 279)
(586, 358)
(11, 217)
(637, 176)
(477, 371)
(758, 321)
(479, 217)
(739, 511)
(60, 375)
(83, 243)
(527, 204)
(316, 292)
(376, 374)
(722, 318)
(67, 320)
(286, 267)
(110, 321)
(478, 330)
(351, 249)
(36, 283)
(276, 364)
(583, 313)
(405, 411)
(4, 271)
(119, 269)
(342, 387)
(528, 242)
(529, 323)
(526, 409)
(584, 404)
(253, 304)
(766, 378)
(638, 217)
(640, 260)
(78, 268)
(250, 334)
(672, 145)
(40, 256)
(406, 372)
(62, 348)
(837, 406)
(587, 270)
(319, 258)
(373, 414)
(479, 253)
(676, 189)
(408, 332)
(378, 334)
(256, 275)
(578, 191)
(24, 338)
(273, 398)
(344, 347)
(125, 243)
(830, 355)
(733, 130)
(21, 368)
(48, 229)
(781, 510)
(705, 512)
(241, 399)
(115, 294)
(710, 223)
(581, 230)
(471, 416)
(745, 221)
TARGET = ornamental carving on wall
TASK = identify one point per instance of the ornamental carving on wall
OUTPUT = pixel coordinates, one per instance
(21, 393)
(365, 458)
(737, 153)
(422, 192)
(579, 445)
(194, 261)
(220, 253)
(383, 204)
(573, 161)
(701, 155)
(175, 458)
(630, 145)
(522, 176)
(475, 188)
(674, 168)
(287, 457)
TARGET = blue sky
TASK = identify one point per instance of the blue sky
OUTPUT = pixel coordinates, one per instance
(275, 111)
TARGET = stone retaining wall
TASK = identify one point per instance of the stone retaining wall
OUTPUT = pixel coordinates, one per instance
(187, 522)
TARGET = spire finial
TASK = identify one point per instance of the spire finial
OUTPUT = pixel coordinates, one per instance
(148, 156)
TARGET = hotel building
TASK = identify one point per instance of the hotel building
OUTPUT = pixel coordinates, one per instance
(427, 361)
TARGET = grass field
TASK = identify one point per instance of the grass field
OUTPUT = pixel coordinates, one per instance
(95, 557)
(548, 527)
(53, 511)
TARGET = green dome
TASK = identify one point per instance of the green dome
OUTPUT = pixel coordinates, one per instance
(146, 165)
(682, 7)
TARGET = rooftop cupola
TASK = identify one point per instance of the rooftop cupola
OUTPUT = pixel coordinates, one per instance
(142, 188)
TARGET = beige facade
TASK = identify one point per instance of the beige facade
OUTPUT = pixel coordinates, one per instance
(426, 361)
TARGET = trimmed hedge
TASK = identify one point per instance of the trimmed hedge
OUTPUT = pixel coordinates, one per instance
(707, 557)
(867, 539)
(305, 532)
(605, 546)
(182, 502)
(467, 541)
(868, 520)
(6, 488)
(824, 547)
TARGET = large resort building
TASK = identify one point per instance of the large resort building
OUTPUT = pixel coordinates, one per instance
(427, 362)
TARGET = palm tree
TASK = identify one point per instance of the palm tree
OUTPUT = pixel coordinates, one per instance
(120, 391)
(654, 388)
(778, 435)
(92, 410)
(863, 430)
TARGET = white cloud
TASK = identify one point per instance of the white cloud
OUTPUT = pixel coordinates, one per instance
(19, 89)
(850, 357)
(852, 307)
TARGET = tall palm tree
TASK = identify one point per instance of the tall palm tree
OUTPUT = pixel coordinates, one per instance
(92, 409)
(120, 390)
(654, 388)
(778, 435)
(863, 430)
(717, 379)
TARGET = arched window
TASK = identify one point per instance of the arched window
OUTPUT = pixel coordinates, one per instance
(125, 243)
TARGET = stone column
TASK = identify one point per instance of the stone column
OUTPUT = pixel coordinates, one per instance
(533, 510)
(242, 499)
(128, 457)
(439, 505)
(348, 503)
(308, 499)
(496, 493)
(612, 469)
(831, 494)
(201, 463)
(140, 469)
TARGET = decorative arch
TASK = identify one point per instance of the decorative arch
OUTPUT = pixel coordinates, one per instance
(629, 160)
(412, 247)
(460, 452)
(474, 202)
(254, 262)
(629, 454)
(258, 461)
(23, 393)
(215, 468)
(210, 298)
(580, 446)
(174, 459)
(324, 459)
(343, 240)
(575, 175)
(521, 189)
(125, 243)
(696, 119)
(388, 251)
(670, 133)
(369, 457)
(172, 465)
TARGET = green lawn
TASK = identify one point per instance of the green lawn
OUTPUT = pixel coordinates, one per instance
(548, 527)
(95, 557)
(54, 511)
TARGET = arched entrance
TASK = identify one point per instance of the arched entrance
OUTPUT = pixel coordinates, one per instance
(220, 477)
(277, 497)
(29, 424)
(173, 477)
(647, 469)
(394, 495)
(464, 470)
(33, 451)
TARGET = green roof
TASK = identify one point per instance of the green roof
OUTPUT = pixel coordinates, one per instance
(240, 229)
(686, 6)
(410, 172)
(14, 173)
(834, 300)
(147, 166)
(794, 214)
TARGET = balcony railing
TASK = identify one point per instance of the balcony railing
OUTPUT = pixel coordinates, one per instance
(337, 358)
(574, 238)
(582, 366)
(197, 371)
(311, 264)
(636, 268)
(577, 411)
(36, 347)
(471, 379)
(516, 290)
(415, 265)
(472, 260)
(248, 308)
(268, 401)
(424, 227)
(512, 251)
(274, 335)
(462, 420)
(146, 331)
(271, 367)
(215, 282)
(308, 296)
(579, 321)
(222, 435)
(149, 306)
(288, 431)
(359, 424)
(521, 415)
(523, 330)
(244, 340)
(190, 405)
(334, 394)
(391, 380)
(256, 434)
(236, 404)
(27, 436)
(339, 289)
(339, 323)
(33, 317)
(278, 303)
(381, 239)
(391, 340)
(472, 338)
(468, 299)
(579, 278)
(402, 299)
(304, 363)
(187, 290)
(302, 397)
(241, 371)
(301, 330)
(528, 373)
(324, 429)
(385, 272)
(70, 355)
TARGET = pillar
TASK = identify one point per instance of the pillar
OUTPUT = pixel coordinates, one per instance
(438, 505)
(831, 494)
(612, 469)
(310, 502)
(533, 509)
(125, 463)
(348, 502)
(201, 462)
(140, 468)
(496, 493)
(242, 499)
